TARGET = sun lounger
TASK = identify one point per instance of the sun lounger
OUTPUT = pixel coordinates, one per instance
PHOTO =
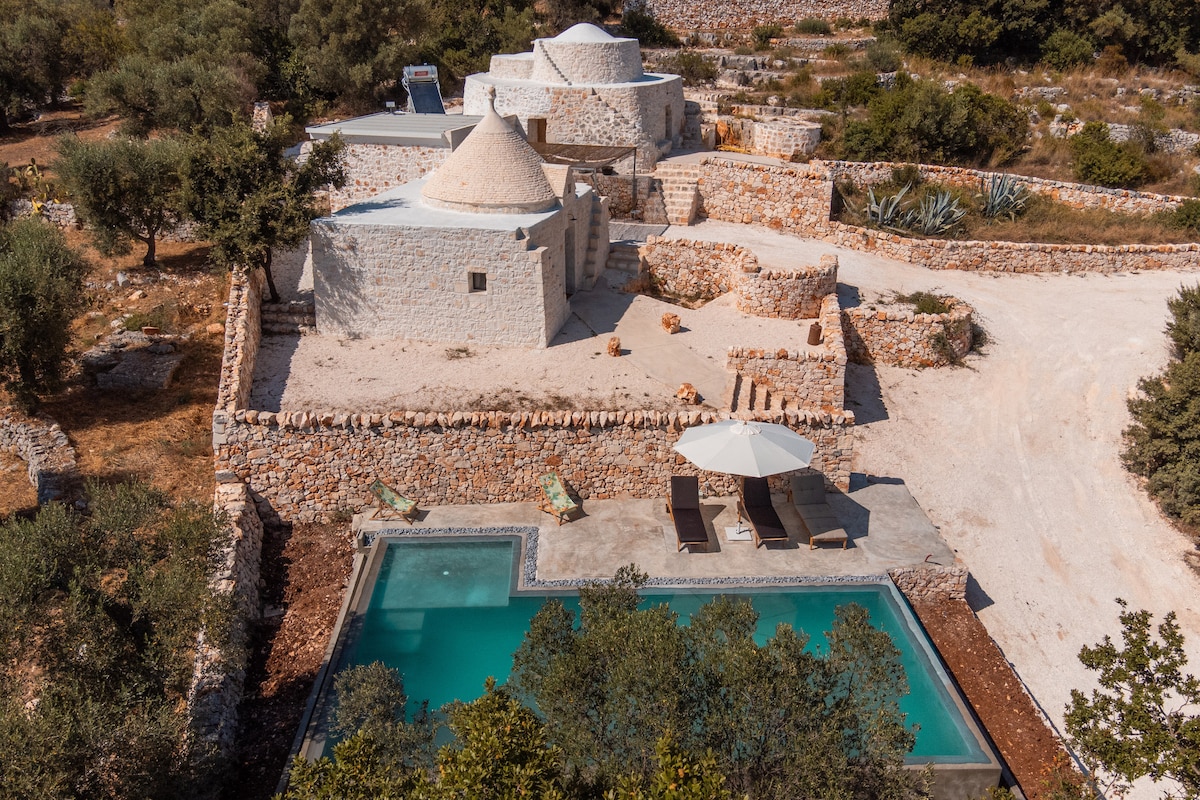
(555, 500)
(808, 495)
(754, 503)
(392, 505)
(684, 507)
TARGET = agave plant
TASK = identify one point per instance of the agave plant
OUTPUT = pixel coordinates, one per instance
(936, 215)
(1003, 197)
(885, 211)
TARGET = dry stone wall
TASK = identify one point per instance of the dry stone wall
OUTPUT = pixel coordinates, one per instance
(793, 198)
(783, 137)
(61, 215)
(218, 677)
(44, 448)
(682, 15)
(789, 294)
(308, 465)
(696, 270)
(931, 582)
(901, 337)
(808, 379)
(376, 168)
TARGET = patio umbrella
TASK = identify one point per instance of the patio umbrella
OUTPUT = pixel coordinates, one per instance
(756, 449)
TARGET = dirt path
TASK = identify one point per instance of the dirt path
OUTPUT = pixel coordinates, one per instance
(1015, 458)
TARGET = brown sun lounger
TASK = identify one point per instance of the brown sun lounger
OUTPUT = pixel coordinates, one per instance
(808, 495)
(684, 507)
(754, 503)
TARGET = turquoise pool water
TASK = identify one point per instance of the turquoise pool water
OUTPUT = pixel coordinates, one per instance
(443, 613)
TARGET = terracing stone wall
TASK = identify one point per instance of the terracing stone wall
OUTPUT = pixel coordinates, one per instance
(796, 198)
(903, 338)
(682, 15)
(44, 448)
(931, 582)
(809, 379)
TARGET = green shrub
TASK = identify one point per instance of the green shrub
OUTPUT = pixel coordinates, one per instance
(1186, 217)
(849, 92)
(743, 50)
(693, 67)
(923, 302)
(837, 51)
(1101, 161)
(814, 27)
(1064, 49)
(883, 56)
(763, 34)
(644, 27)
(1184, 328)
(907, 175)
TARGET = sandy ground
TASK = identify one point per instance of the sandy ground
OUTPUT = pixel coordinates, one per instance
(331, 373)
(1015, 457)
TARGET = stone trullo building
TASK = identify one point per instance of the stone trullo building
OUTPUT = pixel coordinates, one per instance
(484, 250)
(587, 87)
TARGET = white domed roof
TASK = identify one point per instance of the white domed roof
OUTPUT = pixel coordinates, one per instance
(493, 171)
(584, 32)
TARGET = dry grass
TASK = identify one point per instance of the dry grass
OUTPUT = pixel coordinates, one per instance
(35, 140)
(16, 492)
(1052, 223)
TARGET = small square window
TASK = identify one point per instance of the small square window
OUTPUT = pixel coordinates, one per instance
(478, 281)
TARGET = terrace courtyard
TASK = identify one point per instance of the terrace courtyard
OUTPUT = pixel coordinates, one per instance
(1014, 458)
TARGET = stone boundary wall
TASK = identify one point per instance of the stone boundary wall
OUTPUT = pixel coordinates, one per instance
(376, 168)
(798, 198)
(243, 335)
(789, 294)
(781, 137)
(932, 582)
(45, 449)
(1075, 195)
(620, 192)
(218, 677)
(696, 270)
(62, 215)
(810, 379)
(682, 15)
(308, 465)
(904, 338)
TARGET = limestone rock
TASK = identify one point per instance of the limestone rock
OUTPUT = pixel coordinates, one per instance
(670, 322)
(688, 394)
(614, 346)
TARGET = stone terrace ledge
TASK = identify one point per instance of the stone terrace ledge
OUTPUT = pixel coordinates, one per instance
(887, 529)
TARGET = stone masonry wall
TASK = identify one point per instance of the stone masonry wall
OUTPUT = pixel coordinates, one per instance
(375, 168)
(782, 137)
(308, 465)
(218, 677)
(682, 15)
(932, 582)
(696, 270)
(797, 199)
(789, 294)
(808, 379)
(619, 189)
(900, 337)
(44, 448)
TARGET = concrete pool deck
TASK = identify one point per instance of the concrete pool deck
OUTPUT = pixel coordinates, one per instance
(887, 529)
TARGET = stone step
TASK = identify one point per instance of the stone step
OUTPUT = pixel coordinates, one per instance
(287, 329)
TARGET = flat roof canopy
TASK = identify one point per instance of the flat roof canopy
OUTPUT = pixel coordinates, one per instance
(581, 155)
(413, 130)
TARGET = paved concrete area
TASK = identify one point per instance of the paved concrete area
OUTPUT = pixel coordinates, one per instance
(886, 527)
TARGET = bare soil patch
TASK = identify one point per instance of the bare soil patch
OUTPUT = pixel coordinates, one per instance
(16, 492)
(35, 139)
(304, 573)
(1018, 730)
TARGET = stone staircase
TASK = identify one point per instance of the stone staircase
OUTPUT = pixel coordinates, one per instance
(624, 256)
(289, 318)
(750, 396)
(680, 191)
(596, 256)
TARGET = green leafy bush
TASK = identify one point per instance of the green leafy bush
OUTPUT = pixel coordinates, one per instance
(1185, 217)
(883, 56)
(763, 34)
(923, 302)
(1064, 49)
(1099, 160)
(645, 27)
(692, 66)
(812, 26)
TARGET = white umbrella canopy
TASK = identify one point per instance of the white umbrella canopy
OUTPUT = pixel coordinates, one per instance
(755, 449)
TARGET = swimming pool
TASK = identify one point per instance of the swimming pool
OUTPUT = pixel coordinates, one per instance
(446, 613)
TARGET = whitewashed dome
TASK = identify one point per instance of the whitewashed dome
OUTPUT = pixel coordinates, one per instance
(584, 54)
(493, 171)
(584, 32)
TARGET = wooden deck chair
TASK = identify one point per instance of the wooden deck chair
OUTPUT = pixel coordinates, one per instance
(390, 505)
(684, 507)
(754, 503)
(555, 500)
(808, 495)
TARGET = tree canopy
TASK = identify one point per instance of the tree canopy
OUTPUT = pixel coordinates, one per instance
(250, 197)
(41, 289)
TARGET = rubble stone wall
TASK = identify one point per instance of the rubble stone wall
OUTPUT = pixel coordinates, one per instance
(619, 189)
(808, 379)
(45, 449)
(793, 198)
(782, 137)
(308, 465)
(681, 15)
(218, 677)
(931, 582)
(789, 294)
(901, 337)
(696, 270)
(375, 168)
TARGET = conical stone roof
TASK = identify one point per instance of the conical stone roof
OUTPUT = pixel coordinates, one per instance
(493, 171)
